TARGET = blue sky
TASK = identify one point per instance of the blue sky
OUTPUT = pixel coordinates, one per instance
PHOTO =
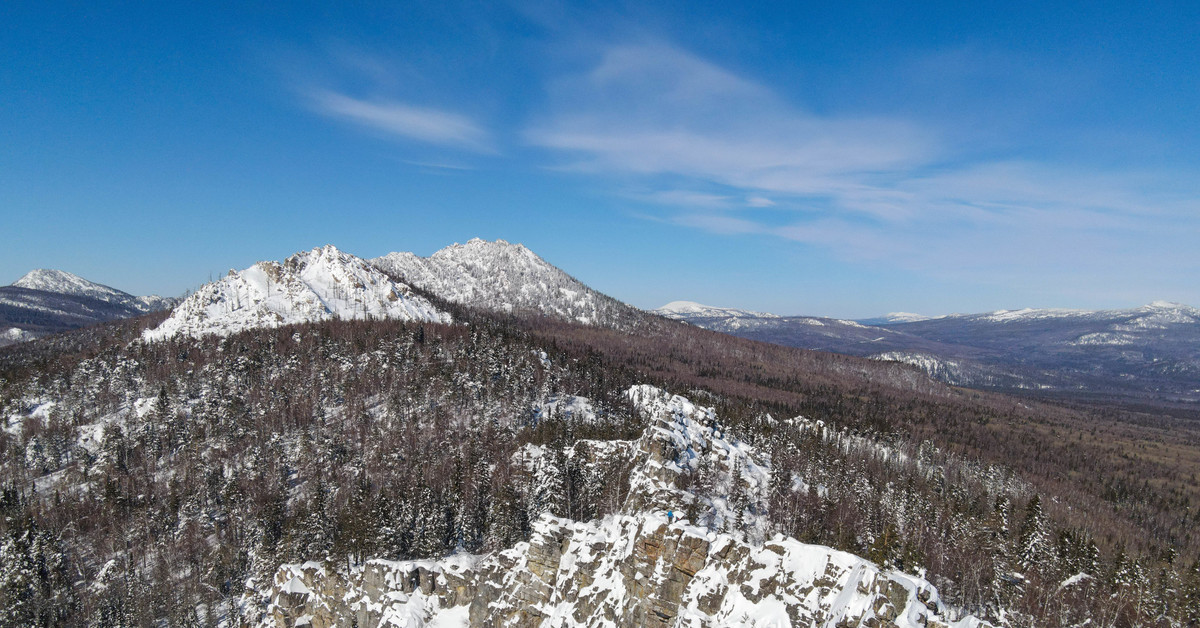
(841, 159)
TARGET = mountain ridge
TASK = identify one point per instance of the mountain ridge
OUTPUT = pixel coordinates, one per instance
(636, 566)
(507, 278)
(46, 301)
(308, 286)
(328, 283)
(1147, 352)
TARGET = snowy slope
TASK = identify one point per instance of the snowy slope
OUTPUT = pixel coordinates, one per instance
(1156, 315)
(727, 319)
(62, 282)
(505, 277)
(309, 286)
(808, 332)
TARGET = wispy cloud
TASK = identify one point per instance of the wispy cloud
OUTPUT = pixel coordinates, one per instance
(658, 110)
(685, 198)
(404, 120)
(879, 187)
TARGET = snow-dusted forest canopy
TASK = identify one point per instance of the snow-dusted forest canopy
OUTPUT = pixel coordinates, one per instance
(170, 481)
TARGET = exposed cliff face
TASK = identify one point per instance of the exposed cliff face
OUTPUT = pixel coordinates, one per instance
(633, 568)
(622, 571)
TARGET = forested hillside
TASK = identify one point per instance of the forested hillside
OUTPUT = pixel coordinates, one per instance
(146, 482)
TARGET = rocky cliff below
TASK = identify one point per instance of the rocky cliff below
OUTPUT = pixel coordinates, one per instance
(621, 571)
(632, 568)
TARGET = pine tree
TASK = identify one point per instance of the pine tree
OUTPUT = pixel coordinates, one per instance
(1034, 551)
(18, 580)
(509, 520)
(473, 515)
(998, 540)
(780, 498)
(1189, 593)
(549, 487)
(432, 529)
(738, 499)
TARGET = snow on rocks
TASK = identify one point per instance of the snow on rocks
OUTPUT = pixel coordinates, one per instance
(310, 286)
(504, 277)
(627, 569)
(684, 437)
(13, 335)
(623, 570)
(377, 593)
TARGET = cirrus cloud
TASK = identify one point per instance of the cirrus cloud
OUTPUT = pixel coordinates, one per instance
(868, 187)
(400, 119)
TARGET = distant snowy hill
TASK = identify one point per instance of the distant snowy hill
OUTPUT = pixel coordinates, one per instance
(1157, 315)
(47, 301)
(505, 277)
(683, 310)
(810, 332)
(1148, 351)
(309, 286)
(62, 282)
(892, 318)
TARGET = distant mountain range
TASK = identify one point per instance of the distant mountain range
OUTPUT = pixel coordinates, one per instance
(50, 301)
(1150, 351)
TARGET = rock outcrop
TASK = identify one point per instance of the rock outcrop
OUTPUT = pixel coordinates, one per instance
(627, 569)
(621, 571)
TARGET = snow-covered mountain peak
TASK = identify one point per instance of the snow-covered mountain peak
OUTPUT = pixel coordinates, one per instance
(504, 277)
(309, 286)
(481, 244)
(323, 260)
(691, 309)
(62, 282)
(482, 253)
(80, 297)
(1180, 310)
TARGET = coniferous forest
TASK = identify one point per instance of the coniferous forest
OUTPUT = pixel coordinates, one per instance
(164, 483)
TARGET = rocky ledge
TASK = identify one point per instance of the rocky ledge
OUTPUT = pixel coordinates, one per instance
(629, 569)
(620, 571)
